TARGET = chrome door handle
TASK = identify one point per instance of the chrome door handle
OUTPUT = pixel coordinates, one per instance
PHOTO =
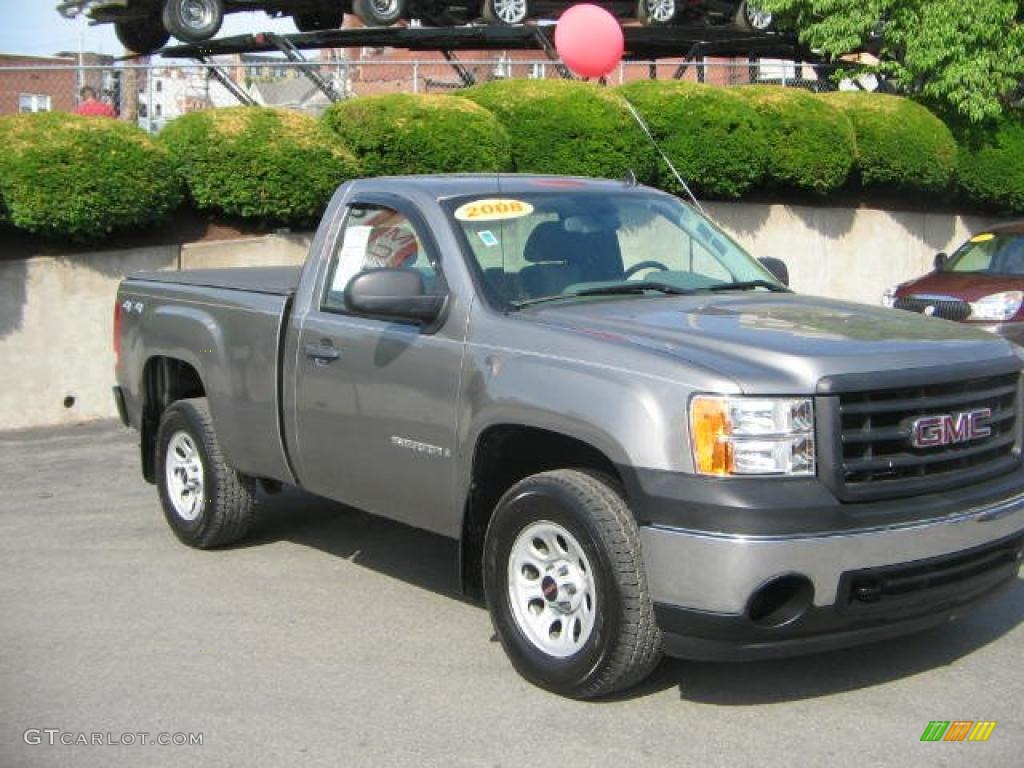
(322, 354)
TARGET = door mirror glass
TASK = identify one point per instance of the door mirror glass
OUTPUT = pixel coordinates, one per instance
(400, 294)
(940, 261)
(778, 269)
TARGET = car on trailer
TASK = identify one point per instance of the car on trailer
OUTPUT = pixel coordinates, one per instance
(144, 26)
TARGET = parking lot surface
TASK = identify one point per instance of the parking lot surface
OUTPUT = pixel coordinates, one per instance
(335, 638)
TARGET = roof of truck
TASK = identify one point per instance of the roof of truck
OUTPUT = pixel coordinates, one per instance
(458, 184)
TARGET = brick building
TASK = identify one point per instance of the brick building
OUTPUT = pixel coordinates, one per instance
(51, 83)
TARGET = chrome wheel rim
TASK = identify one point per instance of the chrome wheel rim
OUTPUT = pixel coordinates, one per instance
(510, 11)
(758, 19)
(196, 13)
(661, 11)
(385, 8)
(184, 475)
(551, 589)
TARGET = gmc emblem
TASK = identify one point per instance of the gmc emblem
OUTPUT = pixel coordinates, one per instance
(950, 428)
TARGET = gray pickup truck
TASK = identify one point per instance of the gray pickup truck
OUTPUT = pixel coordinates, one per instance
(642, 440)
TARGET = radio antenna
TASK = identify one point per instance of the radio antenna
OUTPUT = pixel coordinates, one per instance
(647, 131)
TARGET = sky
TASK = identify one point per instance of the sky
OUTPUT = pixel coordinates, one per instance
(34, 27)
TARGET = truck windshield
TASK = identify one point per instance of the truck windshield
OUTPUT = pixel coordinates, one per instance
(570, 244)
(990, 254)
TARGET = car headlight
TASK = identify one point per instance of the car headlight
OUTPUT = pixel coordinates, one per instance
(997, 306)
(752, 435)
(889, 298)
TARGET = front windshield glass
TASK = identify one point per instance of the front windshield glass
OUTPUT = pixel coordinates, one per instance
(989, 254)
(551, 245)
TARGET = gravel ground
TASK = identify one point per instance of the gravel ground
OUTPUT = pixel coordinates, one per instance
(336, 638)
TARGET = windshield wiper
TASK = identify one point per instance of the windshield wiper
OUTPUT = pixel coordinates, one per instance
(749, 285)
(616, 289)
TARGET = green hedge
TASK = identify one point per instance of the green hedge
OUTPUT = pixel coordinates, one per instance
(405, 133)
(714, 137)
(81, 178)
(811, 144)
(566, 127)
(991, 165)
(272, 165)
(900, 144)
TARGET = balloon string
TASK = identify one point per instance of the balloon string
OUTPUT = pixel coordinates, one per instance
(657, 146)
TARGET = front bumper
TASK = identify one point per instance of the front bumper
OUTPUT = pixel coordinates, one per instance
(703, 583)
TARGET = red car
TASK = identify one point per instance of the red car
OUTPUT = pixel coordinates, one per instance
(982, 283)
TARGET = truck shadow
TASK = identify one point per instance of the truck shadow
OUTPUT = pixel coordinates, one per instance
(429, 561)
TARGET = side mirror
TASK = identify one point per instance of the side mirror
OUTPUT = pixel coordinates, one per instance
(940, 261)
(778, 269)
(393, 293)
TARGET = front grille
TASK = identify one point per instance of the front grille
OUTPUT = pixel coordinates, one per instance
(877, 458)
(946, 308)
(929, 581)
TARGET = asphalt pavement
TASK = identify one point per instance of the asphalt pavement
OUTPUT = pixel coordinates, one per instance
(335, 638)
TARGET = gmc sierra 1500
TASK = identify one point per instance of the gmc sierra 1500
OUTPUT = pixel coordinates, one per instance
(641, 438)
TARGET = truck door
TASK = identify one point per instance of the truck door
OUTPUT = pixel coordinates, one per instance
(376, 400)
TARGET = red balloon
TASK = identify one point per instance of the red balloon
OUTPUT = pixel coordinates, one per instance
(589, 40)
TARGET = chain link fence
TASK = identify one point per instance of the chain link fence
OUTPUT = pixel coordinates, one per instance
(152, 94)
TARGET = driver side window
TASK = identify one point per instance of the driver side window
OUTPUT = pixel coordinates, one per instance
(374, 237)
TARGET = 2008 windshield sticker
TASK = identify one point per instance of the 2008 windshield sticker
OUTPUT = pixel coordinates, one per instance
(493, 210)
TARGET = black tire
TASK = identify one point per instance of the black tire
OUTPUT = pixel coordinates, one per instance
(141, 36)
(624, 644)
(318, 21)
(193, 21)
(744, 19)
(652, 13)
(512, 14)
(226, 508)
(380, 13)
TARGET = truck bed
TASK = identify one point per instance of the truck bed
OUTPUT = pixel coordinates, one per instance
(275, 281)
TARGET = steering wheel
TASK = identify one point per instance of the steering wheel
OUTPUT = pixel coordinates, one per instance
(644, 265)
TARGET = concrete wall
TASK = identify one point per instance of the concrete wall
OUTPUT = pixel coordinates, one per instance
(56, 318)
(56, 364)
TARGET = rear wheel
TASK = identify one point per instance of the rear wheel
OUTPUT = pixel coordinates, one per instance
(656, 13)
(379, 13)
(565, 585)
(141, 36)
(507, 12)
(752, 18)
(318, 21)
(193, 21)
(206, 502)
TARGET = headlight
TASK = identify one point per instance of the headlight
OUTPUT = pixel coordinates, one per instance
(997, 306)
(889, 298)
(752, 436)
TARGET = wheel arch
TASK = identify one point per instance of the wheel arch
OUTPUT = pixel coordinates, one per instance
(504, 454)
(164, 381)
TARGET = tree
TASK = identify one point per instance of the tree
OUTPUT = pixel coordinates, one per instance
(961, 57)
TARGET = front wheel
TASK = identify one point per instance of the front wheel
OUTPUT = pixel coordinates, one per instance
(193, 21)
(566, 587)
(656, 13)
(752, 18)
(206, 502)
(507, 12)
(379, 13)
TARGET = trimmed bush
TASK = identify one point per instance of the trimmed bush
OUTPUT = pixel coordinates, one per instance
(567, 127)
(81, 178)
(272, 165)
(715, 138)
(900, 144)
(811, 144)
(991, 165)
(404, 133)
